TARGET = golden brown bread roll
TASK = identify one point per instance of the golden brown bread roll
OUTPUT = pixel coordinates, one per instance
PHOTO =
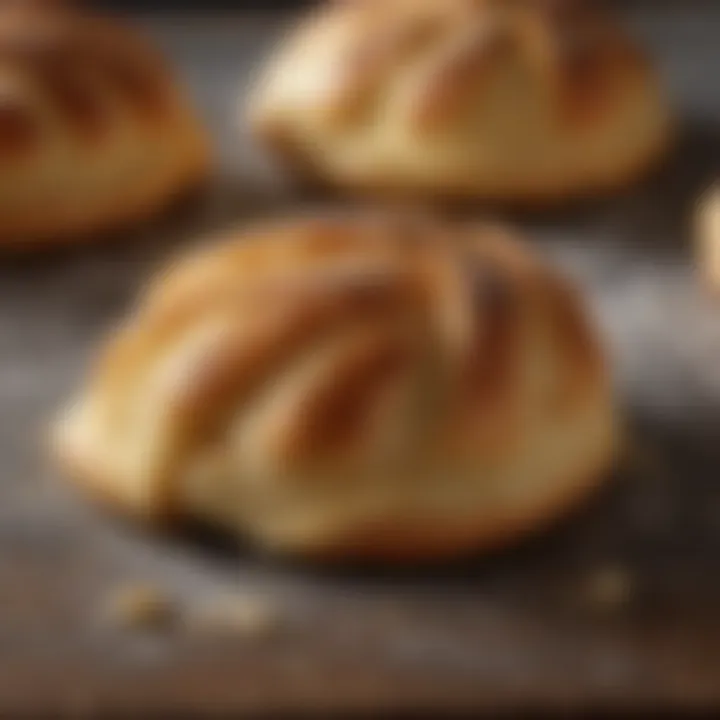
(526, 101)
(371, 387)
(94, 131)
(708, 237)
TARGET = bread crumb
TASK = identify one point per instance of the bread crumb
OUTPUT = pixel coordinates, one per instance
(141, 606)
(610, 587)
(246, 615)
(708, 236)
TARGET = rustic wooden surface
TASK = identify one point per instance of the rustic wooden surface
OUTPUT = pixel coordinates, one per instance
(515, 631)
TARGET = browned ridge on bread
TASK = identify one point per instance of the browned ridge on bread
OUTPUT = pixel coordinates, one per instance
(527, 100)
(94, 131)
(372, 386)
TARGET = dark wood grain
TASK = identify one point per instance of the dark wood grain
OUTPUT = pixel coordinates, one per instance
(516, 631)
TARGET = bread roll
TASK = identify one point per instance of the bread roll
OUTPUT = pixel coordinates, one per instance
(707, 238)
(94, 131)
(368, 387)
(518, 101)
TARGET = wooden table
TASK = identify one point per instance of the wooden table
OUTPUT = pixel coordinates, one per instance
(518, 631)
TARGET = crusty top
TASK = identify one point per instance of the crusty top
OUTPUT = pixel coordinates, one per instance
(325, 343)
(85, 71)
(572, 45)
(491, 97)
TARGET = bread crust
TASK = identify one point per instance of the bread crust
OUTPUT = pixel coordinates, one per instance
(306, 175)
(380, 542)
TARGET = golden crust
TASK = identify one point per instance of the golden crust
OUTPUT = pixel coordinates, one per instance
(527, 102)
(417, 541)
(379, 386)
(94, 131)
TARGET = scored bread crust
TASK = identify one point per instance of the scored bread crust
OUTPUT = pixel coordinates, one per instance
(366, 387)
(95, 132)
(529, 102)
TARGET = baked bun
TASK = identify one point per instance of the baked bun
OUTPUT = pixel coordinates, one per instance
(94, 132)
(379, 388)
(708, 237)
(519, 101)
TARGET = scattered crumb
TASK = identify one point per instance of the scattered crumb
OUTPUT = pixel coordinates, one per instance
(146, 607)
(141, 606)
(708, 236)
(246, 615)
(610, 587)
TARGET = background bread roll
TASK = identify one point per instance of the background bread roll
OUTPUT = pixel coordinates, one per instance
(527, 101)
(94, 131)
(707, 237)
